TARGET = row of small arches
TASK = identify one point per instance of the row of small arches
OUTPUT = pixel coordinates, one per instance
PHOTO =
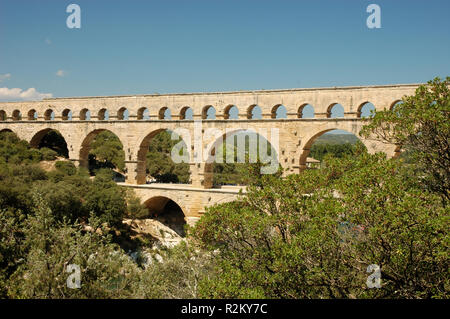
(209, 113)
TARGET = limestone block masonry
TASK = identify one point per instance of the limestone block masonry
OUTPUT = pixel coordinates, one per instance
(137, 119)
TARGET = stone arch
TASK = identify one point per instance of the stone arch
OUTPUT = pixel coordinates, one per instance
(67, 115)
(32, 115)
(229, 109)
(334, 109)
(251, 111)
(3, 116)
(17, 115)
(86, 146)
(167, 211)
(164, 113)
(49, 115)
(312, 138)
(305, 110)
(103, 115)
(209, 113)
(363, 108)
(141, 167)
(39, 136)
(6, 130)
(123, 114)
(85, 115)
(393, 104)
(186, 113)
(211, 152)
(143, 113)
(277, 112)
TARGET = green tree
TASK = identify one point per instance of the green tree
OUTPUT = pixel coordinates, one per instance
(16, 151)
(159, 161)
(11, 248)
(52, 246)
(134, 207)
(54, 141)
(286, 240)
(106, 152)
(177, 276)
(320, 150)
(106, 200)
(421, 125)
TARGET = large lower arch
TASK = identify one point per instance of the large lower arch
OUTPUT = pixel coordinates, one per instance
(57, 142)
(305, 151)
(86, 146)
(141, 166)
(272, 161)
(167, 212)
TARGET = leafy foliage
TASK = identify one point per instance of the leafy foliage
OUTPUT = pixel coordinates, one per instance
(421, 125)
(106, 152)
(277, 243)
(159, 161)
(178, 275)
(55, 142)
(51, 246)
(16, 151)
(320, 150)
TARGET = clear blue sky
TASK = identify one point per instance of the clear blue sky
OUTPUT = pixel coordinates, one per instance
(165, 46)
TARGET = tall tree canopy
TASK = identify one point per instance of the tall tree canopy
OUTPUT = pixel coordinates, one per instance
(421, 126)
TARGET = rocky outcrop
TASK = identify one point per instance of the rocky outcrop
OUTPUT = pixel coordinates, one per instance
(163, 235)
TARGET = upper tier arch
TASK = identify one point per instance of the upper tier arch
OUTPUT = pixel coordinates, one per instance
(382, 96)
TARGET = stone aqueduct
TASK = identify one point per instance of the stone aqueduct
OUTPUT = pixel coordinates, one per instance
(32, 120)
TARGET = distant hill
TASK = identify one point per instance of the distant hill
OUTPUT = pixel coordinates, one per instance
(336, 139)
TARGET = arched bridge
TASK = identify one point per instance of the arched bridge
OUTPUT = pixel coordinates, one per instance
(137, 119)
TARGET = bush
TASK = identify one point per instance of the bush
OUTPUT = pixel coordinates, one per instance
(48, 154)
(68, 168)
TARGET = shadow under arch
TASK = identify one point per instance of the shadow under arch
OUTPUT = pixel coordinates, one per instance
(49, 115)
(16, 115)
(143, 113)
(123, 114)
(164, 113)
(168, 212)
(141, 167)
(186, 113)
(32, 115)
(55, 141)
(234, 134)
(85, 115)
(7, 130)
(254, 112)
(307, 146)
(67, 115)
